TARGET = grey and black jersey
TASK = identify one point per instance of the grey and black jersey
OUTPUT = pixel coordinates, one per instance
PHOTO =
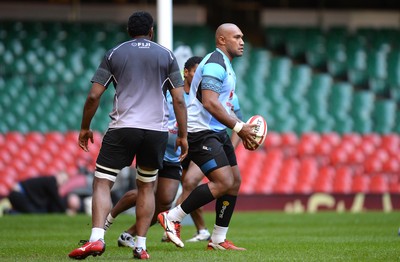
(141, 71)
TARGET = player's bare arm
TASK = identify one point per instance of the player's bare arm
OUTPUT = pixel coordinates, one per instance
(89, 110)
(181, 118)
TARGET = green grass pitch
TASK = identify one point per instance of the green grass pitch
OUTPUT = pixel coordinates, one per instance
(268, 236)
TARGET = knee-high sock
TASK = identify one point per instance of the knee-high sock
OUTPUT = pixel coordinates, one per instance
(199, 197)
(224, 208)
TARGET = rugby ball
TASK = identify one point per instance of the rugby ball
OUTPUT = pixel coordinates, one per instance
(261, 129)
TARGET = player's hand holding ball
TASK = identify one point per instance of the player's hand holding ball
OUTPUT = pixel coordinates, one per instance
(253, 138)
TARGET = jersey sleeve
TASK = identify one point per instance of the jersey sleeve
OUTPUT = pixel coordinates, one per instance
(103, 73)
(213, 77)
(175, 74)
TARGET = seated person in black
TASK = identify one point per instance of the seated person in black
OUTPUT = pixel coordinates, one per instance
(41, 195)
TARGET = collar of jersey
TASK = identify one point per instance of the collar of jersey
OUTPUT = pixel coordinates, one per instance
(223, 54)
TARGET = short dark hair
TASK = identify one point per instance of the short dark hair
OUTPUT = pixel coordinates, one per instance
(140, 23)
(191, 62)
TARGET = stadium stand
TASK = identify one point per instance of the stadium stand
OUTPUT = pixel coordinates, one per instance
(331, 99)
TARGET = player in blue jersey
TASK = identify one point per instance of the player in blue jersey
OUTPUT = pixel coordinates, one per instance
(193, 176)
(210, 148)
(141, 71)
(169, 177)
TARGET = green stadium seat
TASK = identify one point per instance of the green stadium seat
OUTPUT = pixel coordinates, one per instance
(272, 90)
(320, 87)
(280, 70)
(379, 86)
(393, 79)
(343, 125)
(307, 125)
(337, 69)
(301, 74)
(384, 116)
(316, 49)
(340, 100)
(362, 107)
(357, 77)
(336, 51)
(376, 64)
(324, 124)
(295, 42)
(275, 37)
(357, 59)
(300, 79)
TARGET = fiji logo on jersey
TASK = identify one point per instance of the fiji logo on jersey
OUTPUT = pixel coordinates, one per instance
(141, 45)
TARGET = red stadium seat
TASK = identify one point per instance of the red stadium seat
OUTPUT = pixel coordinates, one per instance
(97, 137)
(332, 139)
(264, 184)
(283, 188)
(323, 148)
(32, 147)
(391, 165)
(54, 137)
(241, 155)
(360, 184)
(287, 176)
(5, 156)
(390, 143)
(35, 138)
(289, 139)
(324, 179)
(381, 154)
(379, 184)
(367, 147)
(8, 181)
(289, 143)
(251, 170)
(343, 180)
(25, 156)
(15, 138)
(31, 171)
(356, 157)
(372, 138)
(72, 136)
(394, 187)
(307, 144)
(338, 156)
(352, 138)
(12, 148)
(273, 139)
(4, 190)
(373, 164)
(307, 172)
(2, 140)
(305, 148)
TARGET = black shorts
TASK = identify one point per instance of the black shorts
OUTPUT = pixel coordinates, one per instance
(171, 170)
(121, 145)
(211, 150)
(185, 163)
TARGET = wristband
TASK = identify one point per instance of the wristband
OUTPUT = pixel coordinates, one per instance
(238, 126)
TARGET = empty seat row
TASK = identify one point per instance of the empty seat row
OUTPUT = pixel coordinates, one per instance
(287, 163)
(316, 162)
(365, 57)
